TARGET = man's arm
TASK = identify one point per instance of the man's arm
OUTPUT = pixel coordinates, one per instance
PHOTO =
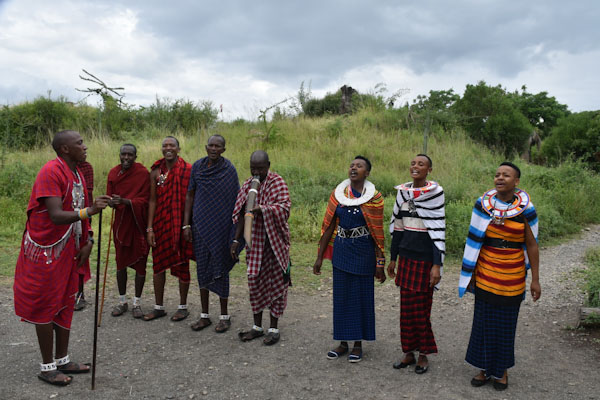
(58, 216)
(187, 215)
(151, 209)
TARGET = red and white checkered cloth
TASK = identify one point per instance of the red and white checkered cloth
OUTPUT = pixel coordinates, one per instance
(274, 200)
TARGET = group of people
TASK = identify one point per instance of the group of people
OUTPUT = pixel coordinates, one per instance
(197, 212)
(181, 211)
(501, 246)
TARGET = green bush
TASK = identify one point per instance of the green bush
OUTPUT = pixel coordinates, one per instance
(592, 277)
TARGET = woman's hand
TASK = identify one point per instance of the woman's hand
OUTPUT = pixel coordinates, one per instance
(434, 275)
(391, 269)
(536, 290)
(380, 274)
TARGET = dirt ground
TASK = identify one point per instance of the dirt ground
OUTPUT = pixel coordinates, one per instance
(166, 360)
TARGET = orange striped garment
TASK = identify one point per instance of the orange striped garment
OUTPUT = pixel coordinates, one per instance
(501, 271)
(372, 212)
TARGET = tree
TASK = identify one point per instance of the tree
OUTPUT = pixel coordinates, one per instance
(492, 117)
(542, 111)
(575, 136)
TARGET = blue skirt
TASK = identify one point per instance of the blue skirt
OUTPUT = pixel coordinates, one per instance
(492, 343)
(353, 306)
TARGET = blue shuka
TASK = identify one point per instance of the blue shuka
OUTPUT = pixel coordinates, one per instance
(215, 190)
(353, 287)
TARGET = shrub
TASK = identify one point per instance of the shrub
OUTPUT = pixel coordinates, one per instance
(592, 277)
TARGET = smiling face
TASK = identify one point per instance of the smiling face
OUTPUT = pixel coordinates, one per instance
(506, 180)
(419, 168)
(214, 148)
(127, 157)
(170, 149)
(358, 171)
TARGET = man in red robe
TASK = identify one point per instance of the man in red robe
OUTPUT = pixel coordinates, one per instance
(268, 258)
(169, 182)
(128, 185)
(55, 243)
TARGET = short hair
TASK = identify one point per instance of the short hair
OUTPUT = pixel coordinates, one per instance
(131, 145)
(427, 157)
(172, 137)
(366, 160)
(217, 136)
(259, 156)
(60, 138)
(513, 166)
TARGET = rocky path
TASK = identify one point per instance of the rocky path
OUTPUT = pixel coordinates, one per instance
(166, 360)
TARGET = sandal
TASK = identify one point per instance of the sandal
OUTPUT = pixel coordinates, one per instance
(154, 314)
(137, 312)
(80, 304)
(337, 352)
(52, 377)
(74, 368)
(224, 324)
(119, 309)
(180, 315)
(272, 337)
(202, 323)
(246, 336)
(354, 358)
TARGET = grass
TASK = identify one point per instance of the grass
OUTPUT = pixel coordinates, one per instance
(313, 156)
(592, 277)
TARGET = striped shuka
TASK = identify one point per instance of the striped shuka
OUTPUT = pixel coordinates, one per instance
(429, 205)
(480, 219)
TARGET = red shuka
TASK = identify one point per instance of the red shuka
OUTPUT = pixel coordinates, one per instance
(46, 276)
(128, 228)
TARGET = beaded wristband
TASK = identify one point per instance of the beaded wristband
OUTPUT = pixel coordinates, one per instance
(380, 262)
(83, 214)
(149, 230)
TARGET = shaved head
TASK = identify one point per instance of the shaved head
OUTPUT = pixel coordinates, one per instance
(62, 138)
(259, 156)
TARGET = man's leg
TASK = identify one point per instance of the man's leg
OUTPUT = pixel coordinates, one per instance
(45, 335)
(62, 350)
(80, 302)
(182, 311)
(204, 320)
(122, 307)
(140, 280)
(159, 291)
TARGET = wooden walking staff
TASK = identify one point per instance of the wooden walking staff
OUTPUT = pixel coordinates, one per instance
(249, 215)
(96, 302)
(112, 219)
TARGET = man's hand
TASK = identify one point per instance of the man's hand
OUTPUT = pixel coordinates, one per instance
(317, 266)
(233, 251)
(187, 235)
(100, 203)
(536, 290)
(151, 239)
(379, 274)
(83, 253)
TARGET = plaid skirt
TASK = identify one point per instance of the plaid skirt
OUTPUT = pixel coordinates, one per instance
(353, 306)
(492, 344)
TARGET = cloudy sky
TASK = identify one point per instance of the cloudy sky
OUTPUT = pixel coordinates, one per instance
(250, 54)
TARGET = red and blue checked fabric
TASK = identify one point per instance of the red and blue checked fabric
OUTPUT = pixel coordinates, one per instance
(415, 322)
(171, 250)
(268, 289)
(413, 275)
(87, 172)
(271, 225)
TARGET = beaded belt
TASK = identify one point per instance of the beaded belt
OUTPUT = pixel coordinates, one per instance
(353, 233)
(501, 243)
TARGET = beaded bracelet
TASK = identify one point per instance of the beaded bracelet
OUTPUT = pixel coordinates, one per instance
(83, 214)
(149, 230)
(380, 262)
(186, 227)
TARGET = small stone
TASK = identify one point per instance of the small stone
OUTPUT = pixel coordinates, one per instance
(191, 396)
(53, 395)
(204, 392)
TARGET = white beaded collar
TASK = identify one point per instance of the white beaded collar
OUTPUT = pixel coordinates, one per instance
(369, 192)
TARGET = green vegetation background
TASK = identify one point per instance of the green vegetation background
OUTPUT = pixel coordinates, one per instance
(312, 155)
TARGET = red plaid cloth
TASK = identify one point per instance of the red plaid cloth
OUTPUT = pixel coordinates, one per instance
(415, 321)
(87, 171)
(45, 285)
(171, 250)
(413, 275)
(272, 224)
(268, 289)
(129, 230)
